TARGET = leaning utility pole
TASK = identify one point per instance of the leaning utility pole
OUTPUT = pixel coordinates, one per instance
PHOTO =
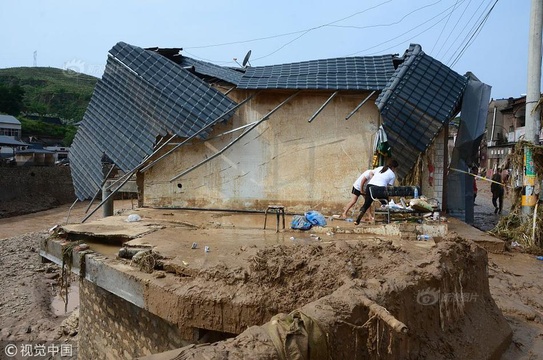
(533, 94)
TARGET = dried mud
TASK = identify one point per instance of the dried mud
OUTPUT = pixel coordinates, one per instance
(313, 273)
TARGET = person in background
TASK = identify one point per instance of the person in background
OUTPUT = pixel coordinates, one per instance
(474, 170)
(359, 188)
(505, 180)
(382, 176)
(497, 192)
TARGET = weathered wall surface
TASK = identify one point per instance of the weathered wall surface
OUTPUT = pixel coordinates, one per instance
(113, 328)
(432, 183)
(30, 189)
(285, 160)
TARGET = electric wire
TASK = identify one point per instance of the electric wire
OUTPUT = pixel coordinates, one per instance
(444, 27)
(448, 14)
(452, 44)
(452, 30)
(389, 24)
(301, 33)
(474, 35)
(407, 32)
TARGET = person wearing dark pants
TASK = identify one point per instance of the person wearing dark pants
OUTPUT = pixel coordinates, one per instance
(383, 176)
(497, 193)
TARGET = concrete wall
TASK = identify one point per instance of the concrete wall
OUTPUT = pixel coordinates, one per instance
(113, 328)
(285, 160)
(36, 182)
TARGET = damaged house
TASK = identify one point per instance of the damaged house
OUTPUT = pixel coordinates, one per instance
(198, 135)
(194, 135)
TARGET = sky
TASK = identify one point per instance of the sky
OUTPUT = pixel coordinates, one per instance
(487, 37)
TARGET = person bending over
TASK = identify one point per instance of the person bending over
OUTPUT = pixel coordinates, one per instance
(382, 176)
(359, 188)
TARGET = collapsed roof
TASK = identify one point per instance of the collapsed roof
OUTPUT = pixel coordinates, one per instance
(418, 101)
(141, 95)
(145, 93)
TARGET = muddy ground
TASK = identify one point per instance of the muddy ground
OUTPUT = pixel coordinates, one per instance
(516, 282)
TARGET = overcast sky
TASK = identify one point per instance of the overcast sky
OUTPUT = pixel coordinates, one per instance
(463, 34)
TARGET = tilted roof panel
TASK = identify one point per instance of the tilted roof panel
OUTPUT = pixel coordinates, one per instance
(141, 95)
(418, 100)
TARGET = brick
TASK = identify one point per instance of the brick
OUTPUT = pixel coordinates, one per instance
(112, 328)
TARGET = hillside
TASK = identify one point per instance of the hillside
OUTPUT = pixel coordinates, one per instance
(51, 91)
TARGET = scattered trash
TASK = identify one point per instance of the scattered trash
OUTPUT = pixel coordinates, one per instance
(423, 237)
(300, 222)
(194, 245)
(315, 218)
(349, 220)
(292, 238)
(206, 249)
(515, 244)
(133, 218)
(315, 236)
(185, 263)
(52, 230)
(539, 257)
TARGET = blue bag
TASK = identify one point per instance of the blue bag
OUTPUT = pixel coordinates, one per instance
(300, 222)
(315, 218)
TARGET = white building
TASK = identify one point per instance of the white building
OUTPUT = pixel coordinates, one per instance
(10, 135)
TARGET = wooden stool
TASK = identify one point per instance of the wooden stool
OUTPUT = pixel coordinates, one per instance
(278, 210)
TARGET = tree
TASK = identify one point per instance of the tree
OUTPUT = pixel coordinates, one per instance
(11, 99)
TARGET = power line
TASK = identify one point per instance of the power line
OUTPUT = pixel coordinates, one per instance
(443, 28)
(306, 31)
(385, 25)
(474, 35)
(289, 33)
(448, 14)
(465, 27)
(407, 32)
(321, 26)
(452, 30)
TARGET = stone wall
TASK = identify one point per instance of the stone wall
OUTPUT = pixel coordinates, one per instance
(55, 181)
(111, 328)
(34, 188)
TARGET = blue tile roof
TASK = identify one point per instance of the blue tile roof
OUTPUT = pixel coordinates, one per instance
(141, 95)
(418, 100)
(347, 73)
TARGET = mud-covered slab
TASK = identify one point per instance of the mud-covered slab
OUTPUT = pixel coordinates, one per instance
(112, 226)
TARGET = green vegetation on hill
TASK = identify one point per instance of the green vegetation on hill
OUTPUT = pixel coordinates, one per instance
(46, 91)
(63, 134)
(50, 91)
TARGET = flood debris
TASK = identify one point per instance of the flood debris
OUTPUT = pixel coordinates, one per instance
(516, 227)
